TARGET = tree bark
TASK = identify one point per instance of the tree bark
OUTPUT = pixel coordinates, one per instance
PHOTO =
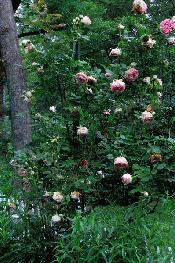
(2, 88)
(9, 48)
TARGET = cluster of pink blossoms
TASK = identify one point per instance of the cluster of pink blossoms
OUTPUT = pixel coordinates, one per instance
(167, 26)
(83, 78)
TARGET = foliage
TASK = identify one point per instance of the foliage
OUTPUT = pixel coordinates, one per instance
(59, 160)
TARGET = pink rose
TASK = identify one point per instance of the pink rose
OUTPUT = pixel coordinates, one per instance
(118, 85)
(81, 78)
(116, 52)
(131, 74)
(167, 26)
(82, 131)
(120, 162)
(147, 117)
(139, 6)
(126, 179)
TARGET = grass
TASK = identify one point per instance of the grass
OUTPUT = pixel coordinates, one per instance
(117, 234)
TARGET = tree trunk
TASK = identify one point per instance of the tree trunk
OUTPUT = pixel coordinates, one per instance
(2, 88)
(9, 48)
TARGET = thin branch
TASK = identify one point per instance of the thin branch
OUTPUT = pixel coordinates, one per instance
(59, 27)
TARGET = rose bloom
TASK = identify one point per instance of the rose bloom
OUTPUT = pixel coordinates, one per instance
(53, 108)
(171, 41)
(116, 52)
(108, 75)
(85, 20)
(81, 78)
(107, 112)
(57, 218)
(58, 197)
(156, 157)
(131, 74)
(147, 80)
(147, 117)
(75, 195)
(118, 85)
(92, 80)
(120, 162)
(139, 6)
(126, 179)
(89, 91)
(167, 26)
(11, 205)
(118, 110)
(120, 26)
(150, 43)
(159, 96)
(145, 194)
(82, 131)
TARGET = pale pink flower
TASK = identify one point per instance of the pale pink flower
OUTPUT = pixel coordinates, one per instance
(120, 26)
(58, 197)
(56, 218)
(131, 74)
(107, 112)
(171, 41)
(139, 6)
(92, 80)
(81, 78)
(82, 131)
(145, 194)
(120, 162)
(147, 117)
(126, 179)
(115, 52)
(53, 108)
(167, 26)
(118, 85)
(159, 96)
(108, 75)
(75, 195)
(147, 80)
(85, 20)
